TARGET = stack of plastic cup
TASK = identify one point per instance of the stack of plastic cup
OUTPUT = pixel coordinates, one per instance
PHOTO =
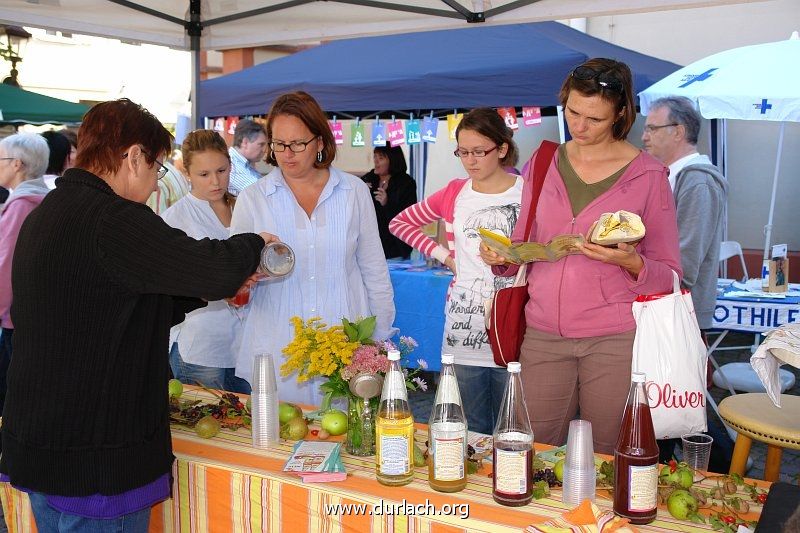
(264, 402)
(579, 470)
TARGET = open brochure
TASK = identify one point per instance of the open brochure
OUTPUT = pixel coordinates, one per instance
(316, 461)
(527, 252)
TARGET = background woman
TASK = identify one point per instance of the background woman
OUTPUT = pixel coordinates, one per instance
(578, 344)
(488, 198)
(23, 160)
(206, 342)
(99, 279)
(59, 161)
(393, 190)
(328, 219)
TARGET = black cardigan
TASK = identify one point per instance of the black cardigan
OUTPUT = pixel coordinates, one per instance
(98, 280)
(401, 193)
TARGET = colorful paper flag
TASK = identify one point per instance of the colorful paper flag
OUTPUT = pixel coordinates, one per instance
(531, 116)
(413, 135)
(379, 134)
(452, 123)
(396, 133)
(357, 136)
(430, 126)
(338, 133)
(219, 125)
(232, 122)
(509, 115)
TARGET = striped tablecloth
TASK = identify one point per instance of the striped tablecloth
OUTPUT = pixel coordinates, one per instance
(223, 484)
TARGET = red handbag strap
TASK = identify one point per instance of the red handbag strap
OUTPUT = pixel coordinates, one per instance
(541, 162)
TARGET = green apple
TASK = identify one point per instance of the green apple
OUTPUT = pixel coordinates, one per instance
(288, 411)
(681, 476)
(681, 504)
(334, 422)
(175, 388)
(558, 470)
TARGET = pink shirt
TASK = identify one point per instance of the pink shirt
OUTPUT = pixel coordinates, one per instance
(578, 297)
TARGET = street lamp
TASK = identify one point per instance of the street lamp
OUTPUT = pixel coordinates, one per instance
(11, 39)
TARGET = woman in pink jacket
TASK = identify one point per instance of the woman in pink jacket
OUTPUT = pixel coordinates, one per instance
(576, 356)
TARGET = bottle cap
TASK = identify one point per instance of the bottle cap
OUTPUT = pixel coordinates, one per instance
(638, 377)
(393, 355)
(514, 367)
(448, 359)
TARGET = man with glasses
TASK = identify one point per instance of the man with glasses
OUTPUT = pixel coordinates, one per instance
(249, 146)
(700, 190)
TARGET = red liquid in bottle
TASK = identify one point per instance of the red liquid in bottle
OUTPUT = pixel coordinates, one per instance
(512, 480)
(636, 461)
(242, 298)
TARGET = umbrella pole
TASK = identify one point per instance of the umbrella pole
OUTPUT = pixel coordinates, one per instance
(768, 227)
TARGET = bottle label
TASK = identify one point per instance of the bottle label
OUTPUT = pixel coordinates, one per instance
(448, 459)
(510, 474)
(643, 489)
(395, 454)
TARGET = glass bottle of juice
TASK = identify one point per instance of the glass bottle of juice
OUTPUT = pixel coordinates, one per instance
(512, 482)
(394, 455)
(636, 459)
(447, 434)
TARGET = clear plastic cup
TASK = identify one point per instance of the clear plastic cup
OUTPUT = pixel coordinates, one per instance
(265, 424)
(579, 470)
(697, 450)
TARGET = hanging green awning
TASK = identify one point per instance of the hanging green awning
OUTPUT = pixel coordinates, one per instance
(18, 106)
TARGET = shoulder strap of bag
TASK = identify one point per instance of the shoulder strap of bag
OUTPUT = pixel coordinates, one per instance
(541, 162)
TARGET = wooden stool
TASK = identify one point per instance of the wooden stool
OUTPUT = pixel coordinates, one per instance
(754, 416)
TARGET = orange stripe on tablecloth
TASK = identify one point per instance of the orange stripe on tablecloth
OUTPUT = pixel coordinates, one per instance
(157, 516)
(356, 523)
(294, 499)
(218, 499)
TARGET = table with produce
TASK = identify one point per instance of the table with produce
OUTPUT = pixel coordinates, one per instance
(223, 483)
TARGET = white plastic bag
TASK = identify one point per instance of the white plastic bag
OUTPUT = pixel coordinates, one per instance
(669, 349)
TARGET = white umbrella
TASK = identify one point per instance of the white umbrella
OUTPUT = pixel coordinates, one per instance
(759, 82)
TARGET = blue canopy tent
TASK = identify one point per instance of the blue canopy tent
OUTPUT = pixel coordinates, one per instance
(513, 65)
(510, 65)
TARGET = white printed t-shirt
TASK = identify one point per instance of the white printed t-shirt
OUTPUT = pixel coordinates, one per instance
(464, 331)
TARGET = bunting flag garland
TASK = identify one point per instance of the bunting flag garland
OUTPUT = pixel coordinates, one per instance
(430, 126)
(357, 136)
(396, 133)
(413, 135)
(379, 134)
(338, 133)
(509, 115)
(231, 124)
(532, 116)
(219, 125)
(452, 123)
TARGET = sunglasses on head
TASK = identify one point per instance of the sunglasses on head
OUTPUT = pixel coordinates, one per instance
(604, 79)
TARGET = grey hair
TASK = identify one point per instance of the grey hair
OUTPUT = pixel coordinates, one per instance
(31, 149)
(247, 129)
(682, 112)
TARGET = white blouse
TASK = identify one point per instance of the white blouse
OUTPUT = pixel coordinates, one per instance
(209, 336)
(340, 270)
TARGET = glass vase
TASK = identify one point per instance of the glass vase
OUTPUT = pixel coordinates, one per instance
(361, 416)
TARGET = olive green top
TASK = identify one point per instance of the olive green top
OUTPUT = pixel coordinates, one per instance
(581, 193)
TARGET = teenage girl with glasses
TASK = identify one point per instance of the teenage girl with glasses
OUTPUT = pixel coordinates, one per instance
(576, 355)
(487, 198)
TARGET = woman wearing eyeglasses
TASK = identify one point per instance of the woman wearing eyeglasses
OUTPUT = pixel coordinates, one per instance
(98, 281)
(576, 356)
(328, 219)
(488, 197)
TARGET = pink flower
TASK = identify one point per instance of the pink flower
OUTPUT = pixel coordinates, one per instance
(366, 358)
